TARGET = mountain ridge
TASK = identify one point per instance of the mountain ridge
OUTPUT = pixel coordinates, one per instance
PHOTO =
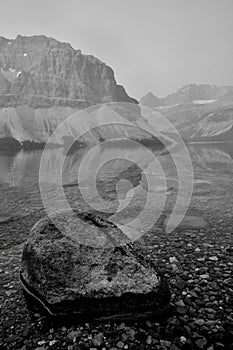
(189, 93)
(199, 112)
(44, 81)
(37, 65)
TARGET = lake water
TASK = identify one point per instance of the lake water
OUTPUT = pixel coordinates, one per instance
(127, 176)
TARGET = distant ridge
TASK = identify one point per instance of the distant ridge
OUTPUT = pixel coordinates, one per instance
(200, 112)
(187, 94)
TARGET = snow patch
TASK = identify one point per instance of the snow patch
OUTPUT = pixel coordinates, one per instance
(12, 70)
(164, 107)
(203, 102)
(25, 54)
(9, 42)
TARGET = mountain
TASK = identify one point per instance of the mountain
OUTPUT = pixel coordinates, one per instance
(199, 112)
(43, 81)
(42, 71)
(192, 93)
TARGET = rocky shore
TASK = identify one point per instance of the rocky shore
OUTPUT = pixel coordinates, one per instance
(198, 265)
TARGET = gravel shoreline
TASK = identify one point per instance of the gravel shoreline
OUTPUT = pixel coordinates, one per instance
(198, 265)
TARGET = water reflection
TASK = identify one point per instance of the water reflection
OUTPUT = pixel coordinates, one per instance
(19, 173)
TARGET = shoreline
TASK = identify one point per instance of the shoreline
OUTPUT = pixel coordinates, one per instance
(200, 284)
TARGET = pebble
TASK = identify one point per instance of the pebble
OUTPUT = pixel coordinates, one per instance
(149, 339)
(180, 303)
(120, 345)
(200, 322)
(200, 278)
(41, 342)
(52, 342)
(174, 267)
(173, 260)
(98, 339)
(201, 342)
(165, 343)
(183, 339)
(213, 258)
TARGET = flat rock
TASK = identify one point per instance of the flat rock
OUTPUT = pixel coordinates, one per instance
(190, 222)
(5, 219)
(88, 267)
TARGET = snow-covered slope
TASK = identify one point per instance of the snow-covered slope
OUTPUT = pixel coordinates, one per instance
(199, 112)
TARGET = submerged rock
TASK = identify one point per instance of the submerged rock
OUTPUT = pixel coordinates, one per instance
(90, 268)
(190, 222)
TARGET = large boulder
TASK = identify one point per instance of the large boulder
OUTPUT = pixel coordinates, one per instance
(88, 267)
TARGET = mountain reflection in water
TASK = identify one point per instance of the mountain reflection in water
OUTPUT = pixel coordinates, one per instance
(117, 178)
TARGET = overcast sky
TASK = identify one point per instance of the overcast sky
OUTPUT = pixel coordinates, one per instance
(152, 45)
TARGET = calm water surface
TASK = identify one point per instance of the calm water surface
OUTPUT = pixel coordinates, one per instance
(124, 177)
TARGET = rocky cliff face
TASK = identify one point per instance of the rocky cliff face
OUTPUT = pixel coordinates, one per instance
(199, 112)
(42, 71)
(43, 81)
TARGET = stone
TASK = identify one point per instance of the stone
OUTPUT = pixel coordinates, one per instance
(200, 322)
(189, 222)
(5, 219)
(52, 342)
(213, 258)
(149, 339)
(173, 260)
(183, 339)
(201, 342)
(180, 303)
(98, 339)
(120, 345)
(89, 268)
(165, 343)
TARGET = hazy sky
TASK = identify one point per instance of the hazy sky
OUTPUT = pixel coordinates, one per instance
(152, 45)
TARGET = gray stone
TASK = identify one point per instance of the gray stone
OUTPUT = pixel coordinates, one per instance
(190, 222)
(89, 267)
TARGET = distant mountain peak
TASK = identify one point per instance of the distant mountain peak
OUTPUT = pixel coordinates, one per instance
(188, 94)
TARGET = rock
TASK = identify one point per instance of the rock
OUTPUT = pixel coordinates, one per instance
(98, 339)
(200, 322)
(183, 339)
(41, 342)
(52, 342)
(5, 219)
(91, 270)
(173, 260)
(120, 345)
(165, 343)
(174, 268)
(149, 339)
(13, 338)
(204, 276)
(201, 342)
(180, 303)
(190, 222)
(213, 258)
